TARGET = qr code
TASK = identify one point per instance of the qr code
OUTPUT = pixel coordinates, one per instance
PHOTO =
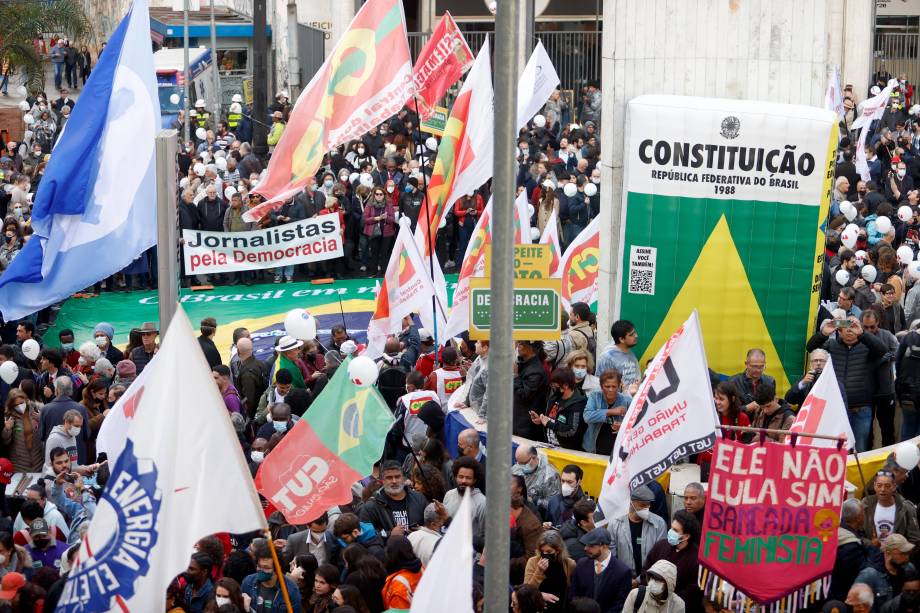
(641, 281)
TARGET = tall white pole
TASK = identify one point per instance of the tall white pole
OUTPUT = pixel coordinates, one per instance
(167, 223)
(215, 68)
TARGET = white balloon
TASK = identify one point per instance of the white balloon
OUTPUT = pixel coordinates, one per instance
(432, 143)
(842, 277)
(31, 349)
(201, 133)
(229, 192)
(300, 324)
(220, 153)
(534, 234)
(28, 119)
(539, 121)
(590, 189)
(907, 455)
(530, 210)
(353, 177)
(349, 346)
(443, 223)
(851, 213)
(570, 189)
(861, 256)
(367, 180)
(869, 273)
(199, 169)
(914, 269)
(362, 371)
(27, 135)
(24, 106)
(905, 213)
(905, 254)
(9, 371)
(221, 164)
(183, 182)
(174, 98)
(848, 238)
(883, 225)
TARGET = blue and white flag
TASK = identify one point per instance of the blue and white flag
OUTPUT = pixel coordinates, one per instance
(95, 211)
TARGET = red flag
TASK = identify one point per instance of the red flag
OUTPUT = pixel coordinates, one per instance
(365, 80)
(441, 63)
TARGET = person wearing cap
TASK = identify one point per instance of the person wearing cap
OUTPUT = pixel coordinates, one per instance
(238, 119)
(289, 357)
(886, 577)
(427, 352)
(44, 550)
(600, 575)
(634, 534)
(142, 354)
(277, 129)
(202, 117)
(887, 512)
(12, 584)
(103, 334)
(125, 373)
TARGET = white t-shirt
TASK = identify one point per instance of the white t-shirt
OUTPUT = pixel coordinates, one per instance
(884, 521)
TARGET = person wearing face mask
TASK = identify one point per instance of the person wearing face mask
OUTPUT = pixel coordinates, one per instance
(379, 229)
(564, 417)
(281, 421)
(70, 354)
(284, 391)
(898, 182)
(11, 246)
(65, 436)
(227, 592)
(20, 429)
(362, 156)
(199, 589)
(908, 601)
(680, 547)
(13, 558)
(550, 570)
(658, 595)
(581, 331)
(540, 477)
(257, 453)
(560, 507)
(886, 577)
(317, 540)
(44, 550)
(103, 334)
(634, 534)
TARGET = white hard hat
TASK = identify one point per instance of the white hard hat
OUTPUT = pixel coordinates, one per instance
(192, 113)
(199, 102)
(282, 93)
(875, 91)
(236, 98)
(236, 108)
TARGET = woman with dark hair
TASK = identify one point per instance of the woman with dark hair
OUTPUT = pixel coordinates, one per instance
(728, 406)
(527, 599)
(95, 399)
(350, 596)
(15, 557)
(175, 598)
(427, 481)
(239, 565)
(20, 433)
(367, 573)
(405, 572)
(303, 568)
(226, 591)
(325, 580)
(435, 454)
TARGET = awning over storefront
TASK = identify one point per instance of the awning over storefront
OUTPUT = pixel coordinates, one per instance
(167, 23)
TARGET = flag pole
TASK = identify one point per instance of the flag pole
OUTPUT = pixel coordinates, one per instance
(279, 573)
(167, 221)
(509, 28)
(434, 299)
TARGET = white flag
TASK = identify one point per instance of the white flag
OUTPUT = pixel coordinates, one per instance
(537, 82)
(671, 417)
(447, 584)
(114, 430)
(180, 477)
(872, 109)
(824, 412)
(833, 97)
(406, 289)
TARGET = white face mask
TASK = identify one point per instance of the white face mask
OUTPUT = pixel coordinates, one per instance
(567, 489)
(257, 456)
(221, 600)
(74, 431)
(21, 408)
(641, 513)
(655, 587)
(901, 174)
(2, 559)
(102, 341)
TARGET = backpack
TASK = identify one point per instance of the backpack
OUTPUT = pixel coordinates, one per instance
(391, 382)
(640, 598)
(592, 342)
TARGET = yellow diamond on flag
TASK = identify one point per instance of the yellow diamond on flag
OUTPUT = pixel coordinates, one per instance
(730, 316)
(352, 425)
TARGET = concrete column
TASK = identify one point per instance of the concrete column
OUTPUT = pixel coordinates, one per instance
(342, 14)
(771, 50)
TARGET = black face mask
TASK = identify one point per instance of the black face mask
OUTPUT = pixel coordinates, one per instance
(910, 599)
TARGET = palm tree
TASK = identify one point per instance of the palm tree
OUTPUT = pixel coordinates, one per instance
(25, 21)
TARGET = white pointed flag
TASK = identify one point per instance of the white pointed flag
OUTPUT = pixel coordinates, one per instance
(406, 289)
(671, 417)
(872, 109)
(550, 237)
(833, 97)
(180, 477)
(447, 584)
(824, 412)
(537, 82)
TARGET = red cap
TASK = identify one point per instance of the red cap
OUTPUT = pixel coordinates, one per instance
(6, 470)
(896, 159)
(11, 584)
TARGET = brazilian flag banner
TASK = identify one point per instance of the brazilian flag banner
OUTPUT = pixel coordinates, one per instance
(334, 445)
(724, 203)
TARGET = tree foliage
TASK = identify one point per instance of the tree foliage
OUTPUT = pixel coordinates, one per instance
(24, 21)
